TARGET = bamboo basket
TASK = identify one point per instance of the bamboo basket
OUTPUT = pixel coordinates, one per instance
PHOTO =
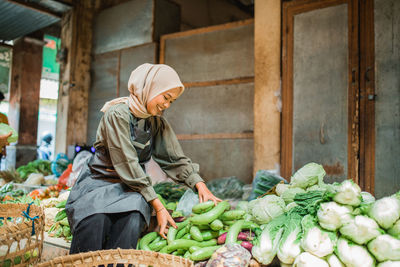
(122, 257)
(18, 245)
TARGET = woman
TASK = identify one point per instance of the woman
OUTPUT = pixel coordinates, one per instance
(109, 206)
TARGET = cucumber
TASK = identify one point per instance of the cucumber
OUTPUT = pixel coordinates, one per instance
(157, 246)
(182, 232)
(196, 234)
(186, 244)
(187, 255)
(187, 236)
(146, 240)
(250, 225)
(211, 215)
(208, 235)
(233, 232)
(182, 224)
(216, 225)
(232, 215)
(203, 253)
(158, 238)
(194, 248)
(181, 252)
(171, 234)
(204, 227)
(203, 207)
(171, 206)
(229, 223)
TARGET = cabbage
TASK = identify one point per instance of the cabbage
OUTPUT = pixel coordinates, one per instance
(265, 248)
(361, 229)
(389, 264)
(334, 261)
(385, 247)
(289, 246)
(367, 198)
(385, 211)
(353, 255)
(243, 205)
(306, 259)
(290, 206)
(5, 129)
(348, 193)
(310, 174)
(285, 265)
(267, 208)
(331, 215)
(280, 188)
(289, 194)
(316, 241)
(395, 230)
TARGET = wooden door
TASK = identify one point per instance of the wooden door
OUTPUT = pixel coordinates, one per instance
(320, 92)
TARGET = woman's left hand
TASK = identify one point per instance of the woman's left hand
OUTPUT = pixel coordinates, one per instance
(205, 194)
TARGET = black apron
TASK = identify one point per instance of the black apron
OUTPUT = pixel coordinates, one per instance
(99, 189)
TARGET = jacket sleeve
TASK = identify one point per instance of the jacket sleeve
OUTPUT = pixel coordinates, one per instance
(123, 154)
(168, 153)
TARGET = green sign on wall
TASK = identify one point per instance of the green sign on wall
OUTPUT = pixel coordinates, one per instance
(5, 66)
(51, 69)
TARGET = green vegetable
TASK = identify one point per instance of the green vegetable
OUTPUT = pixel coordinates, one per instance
(310, 174)
(182, 232)
(157, 246)
(207, 235)
(195, 233)
(267, 208)
(60, 215)
(64, 222)
(211, 215)
(171, 206)
(17, 260)
(171, 234)
(61, 205)
(5, 129)
(176, 214)
(203, 207)
(187, 236)
(147, 239)
(203, 253)
(216, 225)
(187, 255)
(182, 224)
(171, 192)
(194, 248)
(232, 215)
(233, 232)
(66, 231)
(186, 244)
(59, 231)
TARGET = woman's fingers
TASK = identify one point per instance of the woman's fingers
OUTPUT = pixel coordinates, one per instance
(172, 222)
(162, 230)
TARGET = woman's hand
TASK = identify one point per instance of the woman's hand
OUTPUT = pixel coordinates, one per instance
(163, 217)
(205, 194)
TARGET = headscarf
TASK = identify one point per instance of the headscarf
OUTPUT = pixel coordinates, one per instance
(146, 82)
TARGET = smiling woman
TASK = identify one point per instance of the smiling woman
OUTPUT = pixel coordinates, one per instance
(111, 201)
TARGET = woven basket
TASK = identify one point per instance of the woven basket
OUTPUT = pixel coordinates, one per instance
(122, 257)
(18, 247)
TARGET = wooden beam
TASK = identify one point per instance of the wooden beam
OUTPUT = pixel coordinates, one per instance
(267, 47)
(215, 136)
(219, 82)
(72, 111)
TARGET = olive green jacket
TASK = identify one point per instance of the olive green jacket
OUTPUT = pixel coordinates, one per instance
(114, 133)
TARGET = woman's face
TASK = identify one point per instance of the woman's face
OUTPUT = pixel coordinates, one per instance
(158, 104)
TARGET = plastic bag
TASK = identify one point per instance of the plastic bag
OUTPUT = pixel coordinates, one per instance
(187, 201)
(230, 255)
(263, 182)
(227, 187)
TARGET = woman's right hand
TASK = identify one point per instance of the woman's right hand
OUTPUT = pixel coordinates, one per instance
(163, 217)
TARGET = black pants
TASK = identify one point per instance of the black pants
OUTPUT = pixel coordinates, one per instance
(108, 231)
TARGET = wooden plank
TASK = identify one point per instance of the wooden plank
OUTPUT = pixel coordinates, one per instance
(367, 100)
(215, 136)
(219, 82)
(267, 115)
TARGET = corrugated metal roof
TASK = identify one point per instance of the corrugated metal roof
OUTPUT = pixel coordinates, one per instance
(17, 20)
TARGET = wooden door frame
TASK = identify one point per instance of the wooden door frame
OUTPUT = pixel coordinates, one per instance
(290, 9)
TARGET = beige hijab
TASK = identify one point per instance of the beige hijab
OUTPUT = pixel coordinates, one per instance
(146, 82)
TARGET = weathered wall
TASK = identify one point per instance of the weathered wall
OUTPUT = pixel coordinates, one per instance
(387, 103)
(213, 119)
(267, 103)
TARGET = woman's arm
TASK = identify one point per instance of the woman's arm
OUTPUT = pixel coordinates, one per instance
(163, 217)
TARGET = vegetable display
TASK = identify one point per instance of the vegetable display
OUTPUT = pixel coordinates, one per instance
(303, 223)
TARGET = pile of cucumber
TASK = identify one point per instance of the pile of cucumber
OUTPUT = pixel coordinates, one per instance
(201, 234)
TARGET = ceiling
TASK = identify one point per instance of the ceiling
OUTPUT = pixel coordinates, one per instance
(21, 17)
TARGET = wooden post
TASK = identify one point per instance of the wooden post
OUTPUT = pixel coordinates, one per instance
(25, 96)
(76, 42)
(267, 52)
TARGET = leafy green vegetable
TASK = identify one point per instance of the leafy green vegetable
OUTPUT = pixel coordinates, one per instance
(310, 174)
(5, 129)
